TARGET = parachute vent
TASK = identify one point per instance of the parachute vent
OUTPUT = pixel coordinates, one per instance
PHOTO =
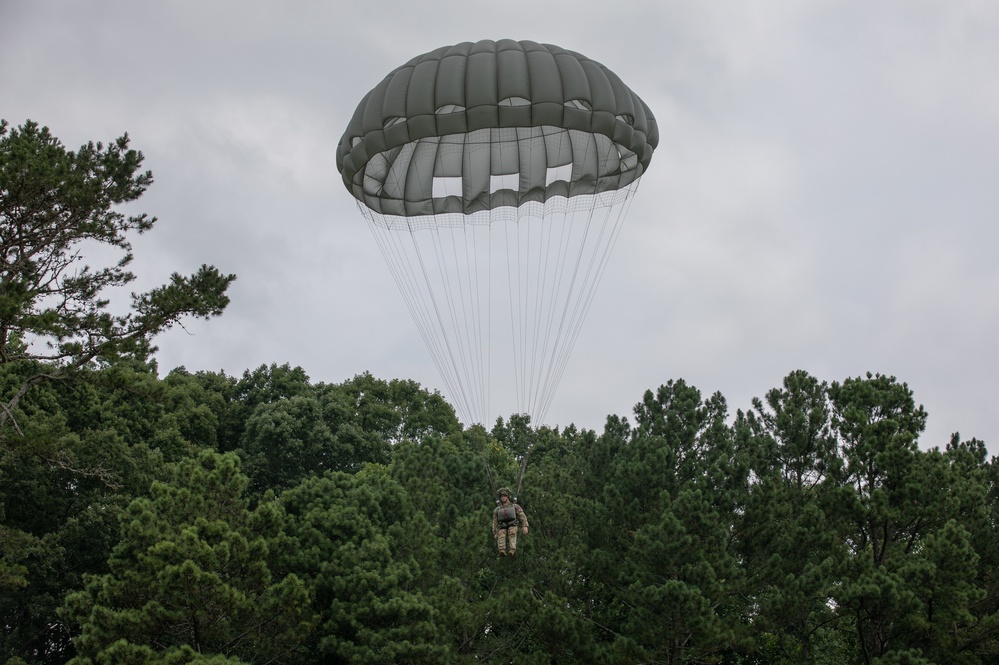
(558, 174)
(515, 101)
(509, 181)
(447, 186)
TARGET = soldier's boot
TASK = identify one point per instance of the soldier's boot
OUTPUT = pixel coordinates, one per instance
(502, 552)
(513, 552)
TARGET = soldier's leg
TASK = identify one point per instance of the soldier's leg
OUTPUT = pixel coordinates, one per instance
(501, 541)
(511, 540)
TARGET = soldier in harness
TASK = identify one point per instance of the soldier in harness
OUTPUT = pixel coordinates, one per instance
(507, 516)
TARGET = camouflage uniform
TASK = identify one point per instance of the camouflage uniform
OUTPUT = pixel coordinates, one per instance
(506, 520)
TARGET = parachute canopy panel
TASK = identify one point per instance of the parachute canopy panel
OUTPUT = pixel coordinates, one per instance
(475, 127)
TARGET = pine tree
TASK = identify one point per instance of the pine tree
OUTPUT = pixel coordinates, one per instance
(191, 576)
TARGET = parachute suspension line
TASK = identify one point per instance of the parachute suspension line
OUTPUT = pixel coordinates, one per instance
(562, 292)
(426, 301)
(440, 340)
(489, 311)
(393, 257)
(449, 295)
(540, 339)
(529, 294)
(524, 301)
(511, 290)
(398, 260)
(569, 322)
(440, 321)
(542, 295)
(454, 297)
(615, 232)
(523, 288)
(419, 295)
(475, 305)
(571, 293)
(573, 233)
(476, 298)
(520, 301)
(550, 294)
(546, 295)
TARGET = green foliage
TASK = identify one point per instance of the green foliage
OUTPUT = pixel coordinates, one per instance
(203, 518)
(54, 202)
(889, 510)
(74, 453)
(785, 537)
(811, 530)
(191, 573)
(358, 542)
(663, 540)
(64, 481)
(287, 429)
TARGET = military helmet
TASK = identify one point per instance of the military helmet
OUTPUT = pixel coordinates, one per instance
(504, 490)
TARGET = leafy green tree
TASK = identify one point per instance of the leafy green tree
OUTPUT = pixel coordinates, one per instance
(64, 483)
(264, 385)
(290, 429)
(190, 576)
(447, 478)
(64, 465)
(53, 307)
(360, 543)
(395, 410)
(173, 416)
(286, 441)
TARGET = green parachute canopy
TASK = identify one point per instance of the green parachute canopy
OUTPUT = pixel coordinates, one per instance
(512, 121)
(494, 176)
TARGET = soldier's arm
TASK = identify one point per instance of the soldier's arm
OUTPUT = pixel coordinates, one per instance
(522, 517)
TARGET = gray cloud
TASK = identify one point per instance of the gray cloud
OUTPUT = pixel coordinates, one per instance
(823, 197)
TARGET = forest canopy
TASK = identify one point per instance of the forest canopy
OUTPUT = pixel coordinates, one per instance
(266, 518)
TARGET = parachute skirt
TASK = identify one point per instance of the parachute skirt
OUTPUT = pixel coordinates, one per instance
(499, 296)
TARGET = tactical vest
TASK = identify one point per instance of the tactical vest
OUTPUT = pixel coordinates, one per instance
(506, 516)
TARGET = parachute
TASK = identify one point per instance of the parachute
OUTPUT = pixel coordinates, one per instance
(495, 177)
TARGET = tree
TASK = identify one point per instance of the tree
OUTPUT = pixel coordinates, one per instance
(908, 573)
(359, 541)
(394, 410)
(64, 485)
(286, 441)
(664, 575)
(54, 315)
(191, 576)
(785, 539)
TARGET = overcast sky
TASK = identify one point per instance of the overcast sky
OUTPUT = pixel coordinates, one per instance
(824, 196)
